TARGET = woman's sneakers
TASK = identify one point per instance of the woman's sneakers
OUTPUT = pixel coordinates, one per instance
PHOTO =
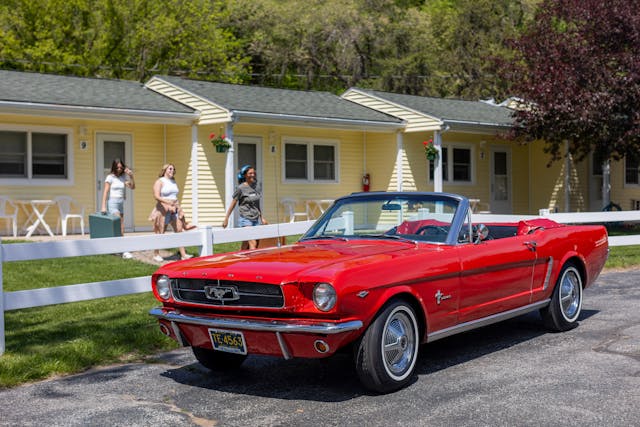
(187, 256)
(127, 255)
(158, 258)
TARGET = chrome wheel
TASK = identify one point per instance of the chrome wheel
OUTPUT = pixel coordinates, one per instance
(570, 294)
(566, 300)
(399, 343)
(386, 355)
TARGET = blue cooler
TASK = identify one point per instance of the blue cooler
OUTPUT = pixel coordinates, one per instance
(104, 225)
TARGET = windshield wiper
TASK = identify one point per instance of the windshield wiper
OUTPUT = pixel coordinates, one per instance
(390, 236)
(326, 236)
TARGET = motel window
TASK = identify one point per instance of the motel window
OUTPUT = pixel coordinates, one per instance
(30, 155)
(631, 171)
(310, 161)
(457, 166)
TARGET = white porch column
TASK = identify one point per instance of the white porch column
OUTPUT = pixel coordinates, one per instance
(437, 163)
(399, 156)
(229, 173)
(194, 174)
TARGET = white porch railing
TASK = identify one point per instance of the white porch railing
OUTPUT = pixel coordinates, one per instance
(205, 238)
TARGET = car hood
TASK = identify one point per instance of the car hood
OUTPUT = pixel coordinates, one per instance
(291, 262)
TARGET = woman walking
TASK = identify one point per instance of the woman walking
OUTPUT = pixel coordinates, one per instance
(120, 178)
(167, 210)
(247, 196)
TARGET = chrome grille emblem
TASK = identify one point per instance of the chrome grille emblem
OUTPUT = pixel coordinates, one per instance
(222, 293)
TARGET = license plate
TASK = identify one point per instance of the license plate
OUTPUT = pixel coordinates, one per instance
(229, 341)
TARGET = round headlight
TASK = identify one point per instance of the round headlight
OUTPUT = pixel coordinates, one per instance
(163, 286)
(324, 296)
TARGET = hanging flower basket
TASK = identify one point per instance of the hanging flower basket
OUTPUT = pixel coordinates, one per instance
(221, 143)
(430, 150)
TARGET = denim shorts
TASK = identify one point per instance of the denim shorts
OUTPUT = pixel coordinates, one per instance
(116, 206)
(245, 222)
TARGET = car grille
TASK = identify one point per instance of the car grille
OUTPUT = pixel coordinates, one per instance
(227, 293)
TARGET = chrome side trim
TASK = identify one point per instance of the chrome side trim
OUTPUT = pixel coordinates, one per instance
(548, 276)
(494, 318)
(258, 325)
(283, 346)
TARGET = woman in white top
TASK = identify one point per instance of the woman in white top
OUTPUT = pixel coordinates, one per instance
(167, 210)
(120, 178)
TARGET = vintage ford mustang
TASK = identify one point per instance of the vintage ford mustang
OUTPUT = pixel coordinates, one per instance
(378, 274)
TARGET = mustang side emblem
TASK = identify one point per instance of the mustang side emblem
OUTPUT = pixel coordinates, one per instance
(440, 297)
(222, 293)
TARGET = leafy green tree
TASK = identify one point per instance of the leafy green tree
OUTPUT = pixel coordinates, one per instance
(120, 38)
(469, 35)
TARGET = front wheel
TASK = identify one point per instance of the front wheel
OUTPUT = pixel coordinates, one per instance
(386, 355)
(566, 302)
(218, 360)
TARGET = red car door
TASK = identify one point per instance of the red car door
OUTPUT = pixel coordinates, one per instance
(496, 276)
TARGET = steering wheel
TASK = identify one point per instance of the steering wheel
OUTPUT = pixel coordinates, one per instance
(431, 230)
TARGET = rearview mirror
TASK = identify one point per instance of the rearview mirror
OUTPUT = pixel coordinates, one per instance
(481, 232)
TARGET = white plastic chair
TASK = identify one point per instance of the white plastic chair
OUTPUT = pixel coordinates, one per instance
(290, 210)
(69, 209)
(9, 211)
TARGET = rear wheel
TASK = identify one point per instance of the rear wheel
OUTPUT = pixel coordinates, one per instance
(386, 355)
(566, 302)
(217, 360)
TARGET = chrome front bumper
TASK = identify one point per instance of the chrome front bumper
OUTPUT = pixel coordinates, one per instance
(274, 326)
(325, 328)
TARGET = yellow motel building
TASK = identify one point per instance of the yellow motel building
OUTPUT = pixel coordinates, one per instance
(59, 135)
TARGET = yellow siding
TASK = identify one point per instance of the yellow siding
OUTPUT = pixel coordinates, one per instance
(416, 122)
(621, 194)
(148, 156)
(211, 177)
(548, 184)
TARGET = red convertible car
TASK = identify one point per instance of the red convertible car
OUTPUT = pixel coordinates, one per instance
(378, 274)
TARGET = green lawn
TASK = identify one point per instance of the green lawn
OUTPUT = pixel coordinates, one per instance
(69, 338)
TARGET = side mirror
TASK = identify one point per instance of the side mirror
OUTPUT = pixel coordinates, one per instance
(481, 232)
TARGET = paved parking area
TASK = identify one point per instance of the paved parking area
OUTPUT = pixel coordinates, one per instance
(514, 373)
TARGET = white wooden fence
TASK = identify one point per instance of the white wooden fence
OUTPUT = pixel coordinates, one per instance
(205, 238)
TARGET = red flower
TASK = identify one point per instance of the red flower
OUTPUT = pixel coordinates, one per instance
(430, 150)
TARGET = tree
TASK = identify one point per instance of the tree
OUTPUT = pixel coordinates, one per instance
(467, 35)
(130, 39)
(577, 70)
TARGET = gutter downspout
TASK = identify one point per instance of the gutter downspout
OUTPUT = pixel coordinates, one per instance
(606, 183)
(399, 156)
(194, 174)
(229, 171)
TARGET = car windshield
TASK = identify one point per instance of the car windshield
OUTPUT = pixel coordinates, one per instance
(428, 217)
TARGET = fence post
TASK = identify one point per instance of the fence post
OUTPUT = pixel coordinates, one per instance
(2, 346)
(207, 241)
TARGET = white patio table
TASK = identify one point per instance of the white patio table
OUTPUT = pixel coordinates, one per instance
(35, 210)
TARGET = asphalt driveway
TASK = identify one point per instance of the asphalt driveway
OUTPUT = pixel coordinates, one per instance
(514, 373)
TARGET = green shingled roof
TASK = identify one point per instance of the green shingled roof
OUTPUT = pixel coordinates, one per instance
(282, 102)
(450, 110)
(35, 88)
